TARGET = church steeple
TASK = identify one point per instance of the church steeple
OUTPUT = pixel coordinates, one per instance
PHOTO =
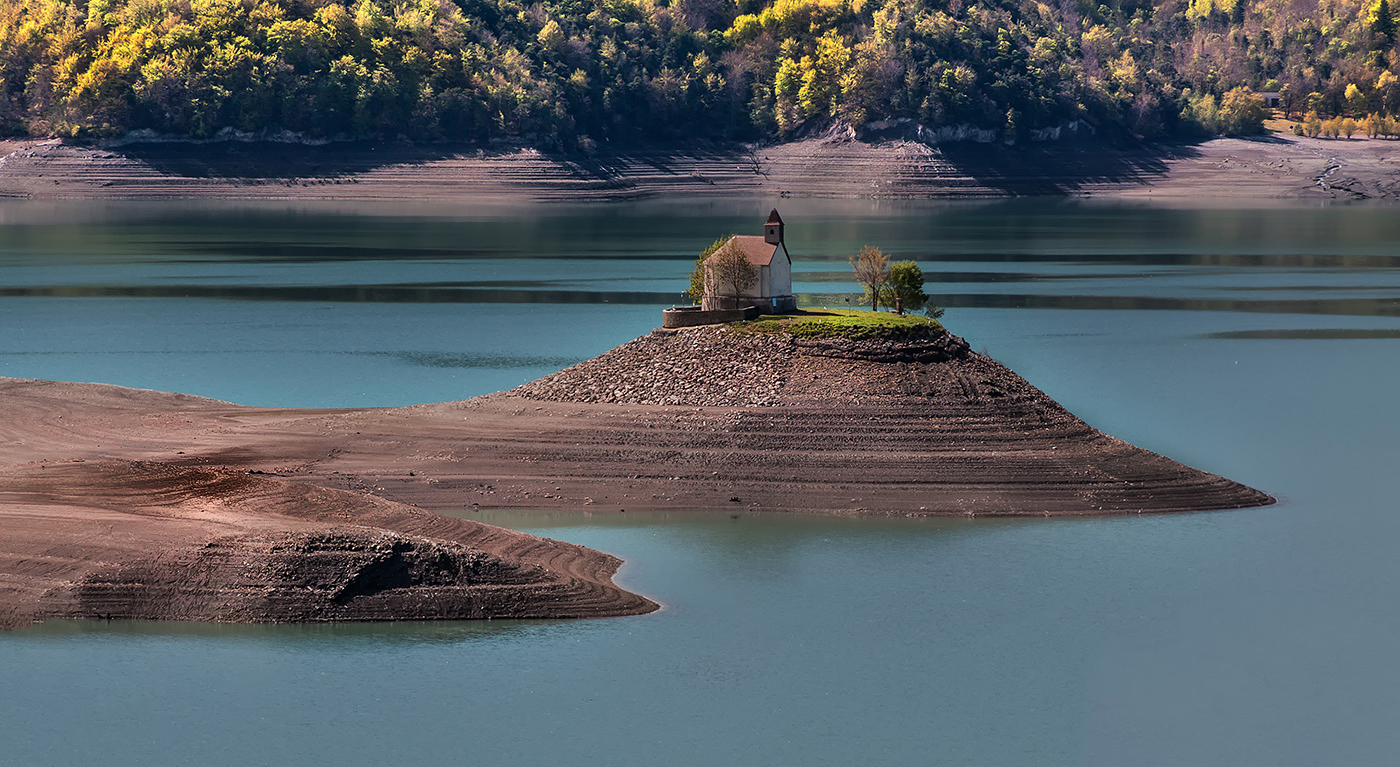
(773, 229)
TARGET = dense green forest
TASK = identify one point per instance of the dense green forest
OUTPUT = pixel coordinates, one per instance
(571, 73)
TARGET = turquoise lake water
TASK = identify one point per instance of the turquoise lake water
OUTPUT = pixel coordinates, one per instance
(1263, 345)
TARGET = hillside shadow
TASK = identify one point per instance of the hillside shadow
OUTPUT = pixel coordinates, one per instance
(283, 162)
(618, 165)
(1062, 168)
(271, 161)
(1058, 168)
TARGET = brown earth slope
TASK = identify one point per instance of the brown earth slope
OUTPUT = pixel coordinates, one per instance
(88, 528)
(141, 539)
(1269, 168)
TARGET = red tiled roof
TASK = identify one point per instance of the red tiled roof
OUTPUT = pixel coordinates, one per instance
(758, 252)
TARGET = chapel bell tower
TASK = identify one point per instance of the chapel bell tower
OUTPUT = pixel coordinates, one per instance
(773, 229)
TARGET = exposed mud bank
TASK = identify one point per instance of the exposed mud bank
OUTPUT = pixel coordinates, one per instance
(153, 540)
(1240, 169)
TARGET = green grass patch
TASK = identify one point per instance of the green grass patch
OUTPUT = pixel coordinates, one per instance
(841, 323)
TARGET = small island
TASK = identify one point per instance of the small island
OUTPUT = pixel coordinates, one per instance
(139, 504)
(119, 503)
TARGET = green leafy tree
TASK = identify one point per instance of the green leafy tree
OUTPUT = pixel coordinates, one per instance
(906, 287)
(1387, 92)
(573, 75)
(1316, 102)
(1242, 113)
(1355, 99)
(1312, 125)
(696, 291)
(1201, 112)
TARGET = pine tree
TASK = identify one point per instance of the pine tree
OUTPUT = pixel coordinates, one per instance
(1382, 23)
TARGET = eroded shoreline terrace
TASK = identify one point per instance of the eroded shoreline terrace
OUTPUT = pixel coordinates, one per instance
(820, 413)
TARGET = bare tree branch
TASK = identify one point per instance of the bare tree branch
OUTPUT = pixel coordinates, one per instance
(730, 269)
(872, 271)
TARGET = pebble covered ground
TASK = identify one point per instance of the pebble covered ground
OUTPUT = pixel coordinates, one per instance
(718, 366)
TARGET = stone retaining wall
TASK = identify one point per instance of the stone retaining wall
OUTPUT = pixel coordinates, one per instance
(692, 316)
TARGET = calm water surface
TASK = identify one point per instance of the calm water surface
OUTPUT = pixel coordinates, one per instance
(1260, 344)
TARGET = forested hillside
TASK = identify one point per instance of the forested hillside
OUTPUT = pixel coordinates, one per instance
(573, 73)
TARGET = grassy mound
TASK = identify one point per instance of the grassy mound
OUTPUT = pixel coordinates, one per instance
(842, 323)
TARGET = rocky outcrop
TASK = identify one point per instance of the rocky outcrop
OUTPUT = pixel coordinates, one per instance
(706, 367)
(723, 366)
(331, 574)
(148, 540)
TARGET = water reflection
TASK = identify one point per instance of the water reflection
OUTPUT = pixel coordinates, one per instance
(749, 541)
(1325, 334)
(932, 276)
(444, 360)
(394, 294)
(1372, 307)
(789, 524)
(397, 294)
(312, 634)
(1365, 307)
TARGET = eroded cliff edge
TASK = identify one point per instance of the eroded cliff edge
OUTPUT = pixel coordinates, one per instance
(151, 540)
(124, 503)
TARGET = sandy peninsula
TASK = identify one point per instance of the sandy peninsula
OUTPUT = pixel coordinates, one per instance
(1274, 167)
(123, 503)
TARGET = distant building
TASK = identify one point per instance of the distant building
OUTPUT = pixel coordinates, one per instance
(1272, 99)
(772, 291)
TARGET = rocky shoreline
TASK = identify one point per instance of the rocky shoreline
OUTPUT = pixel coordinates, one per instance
(123, 503)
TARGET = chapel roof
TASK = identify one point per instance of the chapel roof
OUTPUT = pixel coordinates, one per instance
(755, 249)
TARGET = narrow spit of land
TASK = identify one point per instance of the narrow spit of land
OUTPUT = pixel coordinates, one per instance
(125, 503)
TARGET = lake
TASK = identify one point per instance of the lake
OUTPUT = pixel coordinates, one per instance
(1261, 344)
